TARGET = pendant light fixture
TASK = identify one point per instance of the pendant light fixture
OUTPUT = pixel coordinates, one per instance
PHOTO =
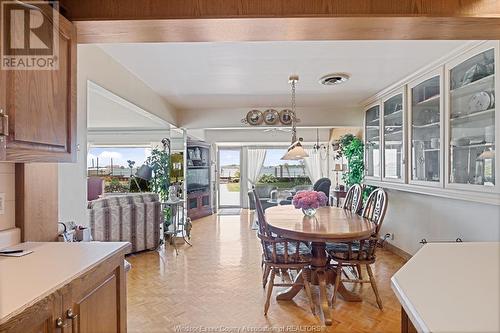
(295, 151)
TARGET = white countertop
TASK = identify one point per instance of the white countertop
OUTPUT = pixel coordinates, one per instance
(25, 280)
(452, 287)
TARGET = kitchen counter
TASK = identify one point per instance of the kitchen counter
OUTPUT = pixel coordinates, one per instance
(451, 287)
(28, 279)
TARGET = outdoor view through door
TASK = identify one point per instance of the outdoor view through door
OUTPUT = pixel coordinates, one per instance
(229, 178)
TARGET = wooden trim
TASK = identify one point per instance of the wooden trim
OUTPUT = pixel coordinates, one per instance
(406, 324)
(287, 29)
(78, 10)
(36, 189)
(467, 195)
(397, 251)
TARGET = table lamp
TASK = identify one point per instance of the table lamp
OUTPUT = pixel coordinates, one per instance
(338, 168)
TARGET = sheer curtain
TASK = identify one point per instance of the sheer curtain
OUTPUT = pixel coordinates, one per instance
(316, 167)
(255, 162)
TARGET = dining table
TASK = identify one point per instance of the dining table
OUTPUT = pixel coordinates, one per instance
(329, 224)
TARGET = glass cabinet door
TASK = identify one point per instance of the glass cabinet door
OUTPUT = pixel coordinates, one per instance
(393, 138)
(472, 121)
(426, 131)
(372, 142)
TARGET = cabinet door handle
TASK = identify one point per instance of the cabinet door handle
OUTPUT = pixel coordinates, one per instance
(60, 323)
(4, 123)
(74, 320)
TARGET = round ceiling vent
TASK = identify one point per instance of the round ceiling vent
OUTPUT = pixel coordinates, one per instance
(333, 79)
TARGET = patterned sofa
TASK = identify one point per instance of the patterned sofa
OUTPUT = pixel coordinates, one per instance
(133, 218)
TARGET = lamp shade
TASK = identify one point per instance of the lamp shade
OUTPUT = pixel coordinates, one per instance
(295, 152)
(145, 172)
(339, 167)
(487, 154)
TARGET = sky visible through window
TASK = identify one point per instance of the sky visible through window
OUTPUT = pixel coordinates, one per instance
(273, 157)
(119, 156)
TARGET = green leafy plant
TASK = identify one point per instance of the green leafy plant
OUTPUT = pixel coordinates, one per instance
(352, 148)
(268, 179)
(113, 185)
(159, 161)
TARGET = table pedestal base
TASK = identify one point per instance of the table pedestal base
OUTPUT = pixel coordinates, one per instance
(320, 276)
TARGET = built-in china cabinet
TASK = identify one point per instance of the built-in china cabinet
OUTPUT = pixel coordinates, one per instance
(434, 133)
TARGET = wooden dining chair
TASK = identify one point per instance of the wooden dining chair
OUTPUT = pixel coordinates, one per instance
(352, 202)
(354, 198)
(361, 252)
(281, 254)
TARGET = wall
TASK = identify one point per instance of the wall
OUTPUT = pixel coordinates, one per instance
(97, 66)
(412, 216)
(258, 136)
(7, 186)
(224, 118)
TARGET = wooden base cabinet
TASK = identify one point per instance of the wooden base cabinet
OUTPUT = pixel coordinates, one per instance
(92, 303)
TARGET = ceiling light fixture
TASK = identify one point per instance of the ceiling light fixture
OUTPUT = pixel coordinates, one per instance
(319, 147)
(295, 151)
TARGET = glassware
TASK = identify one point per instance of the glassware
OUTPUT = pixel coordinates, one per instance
(426, 131)
(472, 121)
(372, 144)
(393, 137)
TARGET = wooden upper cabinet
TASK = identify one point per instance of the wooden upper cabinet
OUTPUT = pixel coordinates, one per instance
(41, 106)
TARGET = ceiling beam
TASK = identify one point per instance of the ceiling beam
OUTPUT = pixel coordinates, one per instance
(114, 21)
(288, 29)
(78, 10)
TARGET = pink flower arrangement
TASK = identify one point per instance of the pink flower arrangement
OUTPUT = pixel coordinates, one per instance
(309, 199)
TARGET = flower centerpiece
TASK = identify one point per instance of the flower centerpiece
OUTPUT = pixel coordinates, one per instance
(309, 201)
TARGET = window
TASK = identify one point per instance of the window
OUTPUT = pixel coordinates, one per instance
(283, 174)
(116, 165)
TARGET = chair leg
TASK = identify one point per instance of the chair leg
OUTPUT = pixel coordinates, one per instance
(269, 291)
(337, 283)
(360, 275)
(307, 287)
(265, 275)
(374, 286)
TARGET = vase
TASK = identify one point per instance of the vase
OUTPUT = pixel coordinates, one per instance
(309, 212)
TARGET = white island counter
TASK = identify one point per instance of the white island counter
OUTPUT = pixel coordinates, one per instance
(64, 274)
(451, 287)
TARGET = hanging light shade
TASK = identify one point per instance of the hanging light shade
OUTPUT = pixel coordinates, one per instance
(295, 151)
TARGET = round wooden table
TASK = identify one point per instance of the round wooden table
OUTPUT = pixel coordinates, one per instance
(330, 224)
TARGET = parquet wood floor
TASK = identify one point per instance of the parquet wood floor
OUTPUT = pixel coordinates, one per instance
(215, 286)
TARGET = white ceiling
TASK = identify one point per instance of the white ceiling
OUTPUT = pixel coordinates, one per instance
(255, 74)
(109, 111)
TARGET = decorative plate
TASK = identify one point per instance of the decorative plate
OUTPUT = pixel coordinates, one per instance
(286, 117)
(271, 116)
(480, 101)
(255, 117)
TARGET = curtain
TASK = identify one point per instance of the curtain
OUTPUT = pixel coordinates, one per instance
(255, 161)
(316, 167)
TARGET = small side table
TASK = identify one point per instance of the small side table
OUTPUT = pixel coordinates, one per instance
(337, 195)
(178, 223)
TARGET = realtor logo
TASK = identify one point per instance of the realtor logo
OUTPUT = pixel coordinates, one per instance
(29, 35)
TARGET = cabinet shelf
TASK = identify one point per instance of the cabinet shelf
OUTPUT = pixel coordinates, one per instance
(426, 125)
(477, 145)
(472, 87)
(429, 102)
(472, 116)
(394, 115)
